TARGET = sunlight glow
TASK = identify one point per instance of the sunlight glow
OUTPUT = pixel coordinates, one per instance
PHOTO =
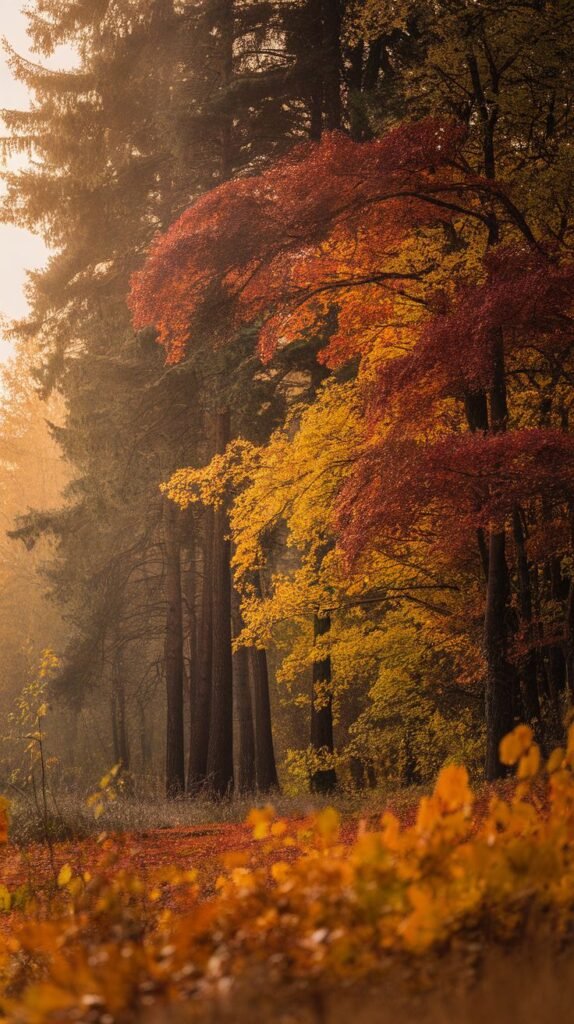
(20, 251)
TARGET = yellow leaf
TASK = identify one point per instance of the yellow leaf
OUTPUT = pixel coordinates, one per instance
(328, 823)
(555, 760)
(452, 787)
(280, 871)
(235, 859)
(278, 828)
(529, 763)
(516, 744)
(260, 819)
(64, 876)
(5, 899)
(75, 886)
(4, 805)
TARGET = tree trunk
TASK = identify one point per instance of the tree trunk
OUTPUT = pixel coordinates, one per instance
(325, 77)
(499, 676)
(315, 80)
(528, 670)
(220, 751)
(498, 693)
(332, 61)
(559, 590)
(266, 768)
(357, 770)
(226, 27)
(265, 764)
(324, 780)
(570, 645)
(144, 737)
(119, 723)
(175, 758)
(246, 775)
(476, 410)
(201, 691)
(190, 625)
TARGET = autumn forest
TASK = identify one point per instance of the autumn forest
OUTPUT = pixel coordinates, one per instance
(287, 493)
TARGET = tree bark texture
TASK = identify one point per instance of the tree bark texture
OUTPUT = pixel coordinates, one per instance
(220, 751)
(201, 681)
(324, 780)
(265, 765)
(175, 755)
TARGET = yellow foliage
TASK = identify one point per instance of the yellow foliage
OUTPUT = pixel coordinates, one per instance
(64, 876)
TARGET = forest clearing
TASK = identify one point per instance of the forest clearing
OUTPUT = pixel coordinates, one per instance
(287, 509)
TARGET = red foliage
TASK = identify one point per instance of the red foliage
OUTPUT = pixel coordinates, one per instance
(253, 244)
(457, 484)
(525, 295)
(279, 249)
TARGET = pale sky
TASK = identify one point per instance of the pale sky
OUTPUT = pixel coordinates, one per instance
(19, 250)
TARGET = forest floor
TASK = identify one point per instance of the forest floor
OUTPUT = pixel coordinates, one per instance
(142, 837)
(522, 981)
(525, 986)
(201, 845)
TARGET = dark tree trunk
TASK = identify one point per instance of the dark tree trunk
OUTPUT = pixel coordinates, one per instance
(226, 23)
(190, 624)
(499, 677)
(201, 689)
(120, 726)
(333, 109)
(265, 765)
(324, 780)
(175, 757)
(220, 751)
(476, 410)
(569, 629)
(498, 694)
(570, 645)
(266, 768)
(325, 76)
(246, 777)
(315, 36)
(528, 668)
(145, 741)
(357, 770)
(326, 112)
(559, 590)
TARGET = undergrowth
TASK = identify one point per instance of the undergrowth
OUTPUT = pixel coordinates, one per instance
(73, 819)
(303, 913)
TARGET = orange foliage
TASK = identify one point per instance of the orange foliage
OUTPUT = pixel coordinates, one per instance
(299, 902)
